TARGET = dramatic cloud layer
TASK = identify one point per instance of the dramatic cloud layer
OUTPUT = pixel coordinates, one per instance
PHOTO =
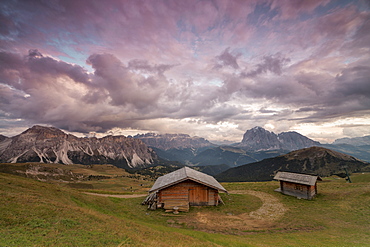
(207, 68)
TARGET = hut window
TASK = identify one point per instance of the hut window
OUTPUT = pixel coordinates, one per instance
(298, 187)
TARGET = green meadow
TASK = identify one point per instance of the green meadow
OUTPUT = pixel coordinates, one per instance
(35, 213)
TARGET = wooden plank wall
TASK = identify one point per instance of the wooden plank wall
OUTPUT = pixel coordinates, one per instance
(189, 192)
(312, 191)
(298, 190)
(173, 193)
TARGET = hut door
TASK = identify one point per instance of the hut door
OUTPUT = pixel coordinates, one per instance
(198, 196)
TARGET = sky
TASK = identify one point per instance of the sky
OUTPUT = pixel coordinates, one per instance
(206, 68)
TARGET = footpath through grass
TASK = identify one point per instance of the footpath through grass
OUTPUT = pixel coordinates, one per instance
(36, 213)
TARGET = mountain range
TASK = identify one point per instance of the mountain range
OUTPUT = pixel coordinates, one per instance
(51, 145)
(257, 144)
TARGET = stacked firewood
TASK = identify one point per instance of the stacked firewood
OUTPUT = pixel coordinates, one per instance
(151, 201)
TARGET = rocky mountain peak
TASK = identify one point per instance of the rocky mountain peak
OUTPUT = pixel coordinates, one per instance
(258, 139)
(42, 132)
(258, 128)
(51, 145)
(293, 140)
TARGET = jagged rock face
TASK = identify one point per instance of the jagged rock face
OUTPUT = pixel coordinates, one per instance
(51, 145)
(258, 139)
(169, 141)
(293, 141)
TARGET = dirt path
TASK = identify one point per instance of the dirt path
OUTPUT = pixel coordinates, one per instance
(261, 219)
(117, 196)
(271, 208)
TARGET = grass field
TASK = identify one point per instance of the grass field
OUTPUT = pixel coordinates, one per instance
(35, 213)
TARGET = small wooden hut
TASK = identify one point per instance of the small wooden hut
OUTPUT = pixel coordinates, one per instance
(183, 188)
(297, 184)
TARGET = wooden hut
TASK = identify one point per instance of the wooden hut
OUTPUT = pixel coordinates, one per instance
(183, 188)
(298, 185)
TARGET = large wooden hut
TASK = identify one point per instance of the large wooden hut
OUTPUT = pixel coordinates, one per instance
(183, 188)
(297, 184)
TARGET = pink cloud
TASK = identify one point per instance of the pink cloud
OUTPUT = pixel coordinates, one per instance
(292, 9)
(177, 59)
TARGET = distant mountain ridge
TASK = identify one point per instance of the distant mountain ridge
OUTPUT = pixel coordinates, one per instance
(171, 141)
(175, 147)
(356, 141)
(259, 139)
(51, 145)
(257, 144)
(313, 160)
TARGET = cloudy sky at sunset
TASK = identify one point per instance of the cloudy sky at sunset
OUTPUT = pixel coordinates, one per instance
(207, 68)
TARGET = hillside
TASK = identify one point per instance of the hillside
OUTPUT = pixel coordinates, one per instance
(156, 171)
(361, 152)
(183, 155)
(222, 155)
(314, 160)
(37, 213)
(231, 156)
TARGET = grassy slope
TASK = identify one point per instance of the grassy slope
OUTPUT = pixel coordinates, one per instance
(41, 214)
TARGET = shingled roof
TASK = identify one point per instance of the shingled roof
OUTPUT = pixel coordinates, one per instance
(183, 174)
(297, 178)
